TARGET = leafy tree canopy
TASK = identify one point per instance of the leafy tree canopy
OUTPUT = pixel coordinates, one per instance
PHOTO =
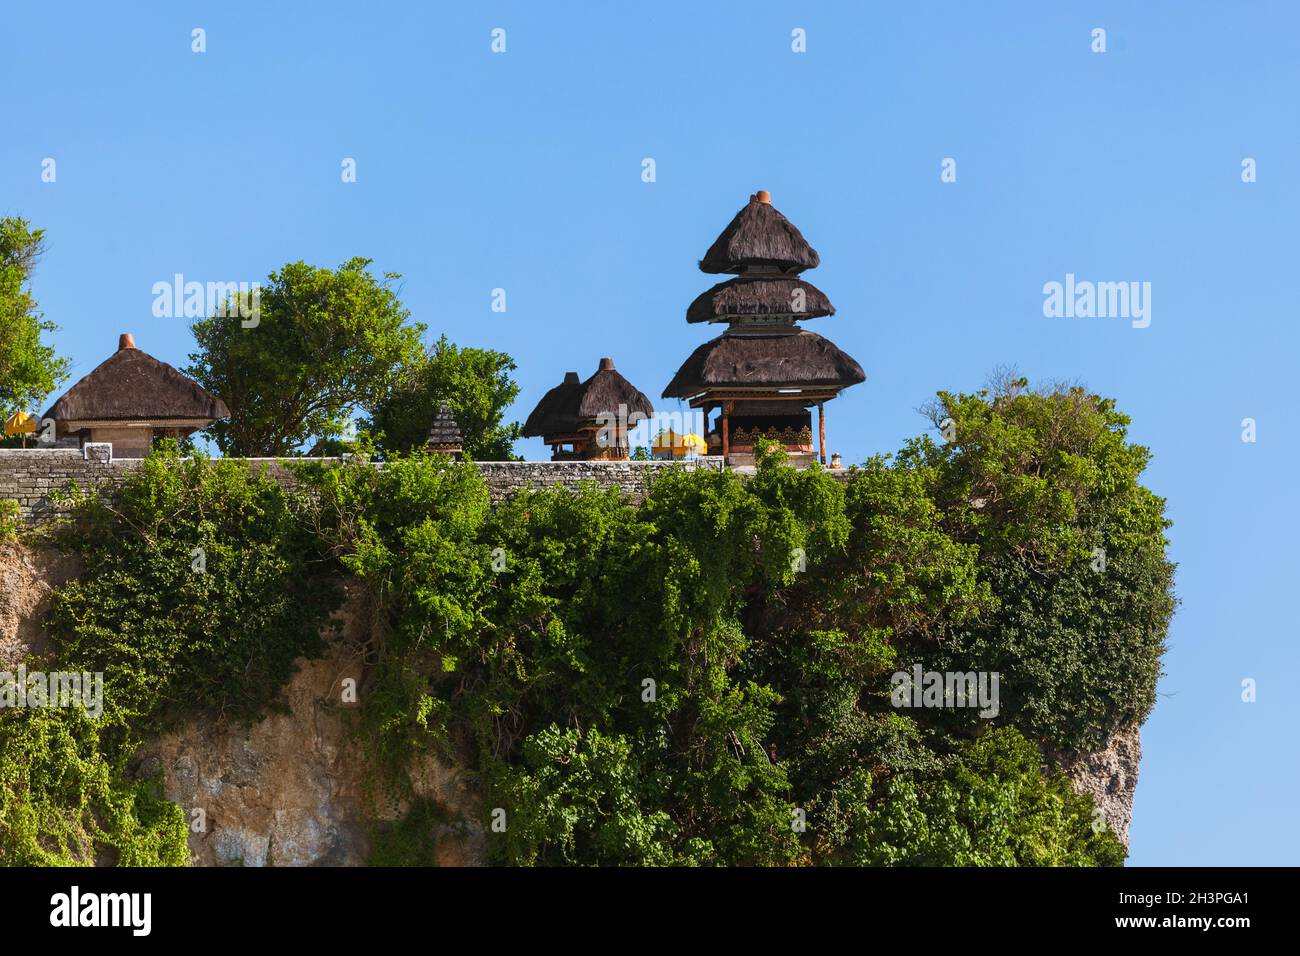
(29, 369)
(324, 343)
(476, 385)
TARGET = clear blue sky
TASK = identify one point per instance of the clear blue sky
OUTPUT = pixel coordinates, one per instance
(523, 171)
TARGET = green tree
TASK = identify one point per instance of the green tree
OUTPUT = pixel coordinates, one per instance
(29, 369)
(476, 385)
(993, 804)
(1045, 484)
(326, 343)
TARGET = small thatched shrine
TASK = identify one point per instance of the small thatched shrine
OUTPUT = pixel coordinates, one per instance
(444, 435)
(764, 374)
(589, 420)
(131, 399)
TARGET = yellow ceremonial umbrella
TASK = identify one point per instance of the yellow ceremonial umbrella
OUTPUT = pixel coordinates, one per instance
(670, 443)
(20, 423)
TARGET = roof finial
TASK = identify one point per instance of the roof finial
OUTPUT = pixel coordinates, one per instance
(764, 197)
(606, 364)
(125, 341)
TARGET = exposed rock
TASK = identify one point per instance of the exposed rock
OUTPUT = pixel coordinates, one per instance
(281, 792)
(288, 790)
(1110, 775)
(28, 576)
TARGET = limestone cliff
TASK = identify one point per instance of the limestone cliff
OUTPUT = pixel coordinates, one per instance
(1110, 775)
(288, 791)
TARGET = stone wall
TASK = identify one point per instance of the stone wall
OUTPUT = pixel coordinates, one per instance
(634, 477)
(29, 475)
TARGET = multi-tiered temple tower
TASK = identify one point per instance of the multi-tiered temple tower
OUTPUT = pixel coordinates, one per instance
(764, 373)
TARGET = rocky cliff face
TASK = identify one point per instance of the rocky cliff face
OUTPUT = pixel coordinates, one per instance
(288, 791)
(1110, 776)
(27, 579)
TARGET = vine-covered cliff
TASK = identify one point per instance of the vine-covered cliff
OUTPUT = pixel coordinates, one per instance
(382, 665)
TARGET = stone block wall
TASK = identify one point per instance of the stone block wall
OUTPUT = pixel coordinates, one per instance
(634, 477)
(29, 475)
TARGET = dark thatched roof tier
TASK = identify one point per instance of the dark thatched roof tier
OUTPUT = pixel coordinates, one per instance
(572, 404)
(754, 295)
(759, 236)
(133, 385)
(556, 406)
(791, 360)
(444, 431)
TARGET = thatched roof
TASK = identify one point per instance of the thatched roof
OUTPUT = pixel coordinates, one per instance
(572, 404)
(556, 406)
(760, 236)
(759, 295)
(777, 360)
(133, 385)
(445, 430)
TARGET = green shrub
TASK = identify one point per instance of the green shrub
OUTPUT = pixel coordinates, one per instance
(66, 798)
(201, 588)
(993, 805)
(10, 519)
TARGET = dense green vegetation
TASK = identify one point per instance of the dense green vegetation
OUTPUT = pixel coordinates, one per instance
(322, 343)
(701, 679)
(9, 519)
(474, 383)
(29, 368)
(324, 350)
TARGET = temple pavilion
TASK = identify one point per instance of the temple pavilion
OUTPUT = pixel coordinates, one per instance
(764, 374)
(589, 420)
(132, 398)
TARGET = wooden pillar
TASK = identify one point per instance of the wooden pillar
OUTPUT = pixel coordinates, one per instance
(726, 433)
(821, 431)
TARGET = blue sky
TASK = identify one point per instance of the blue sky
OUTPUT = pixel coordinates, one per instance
(522, 171)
